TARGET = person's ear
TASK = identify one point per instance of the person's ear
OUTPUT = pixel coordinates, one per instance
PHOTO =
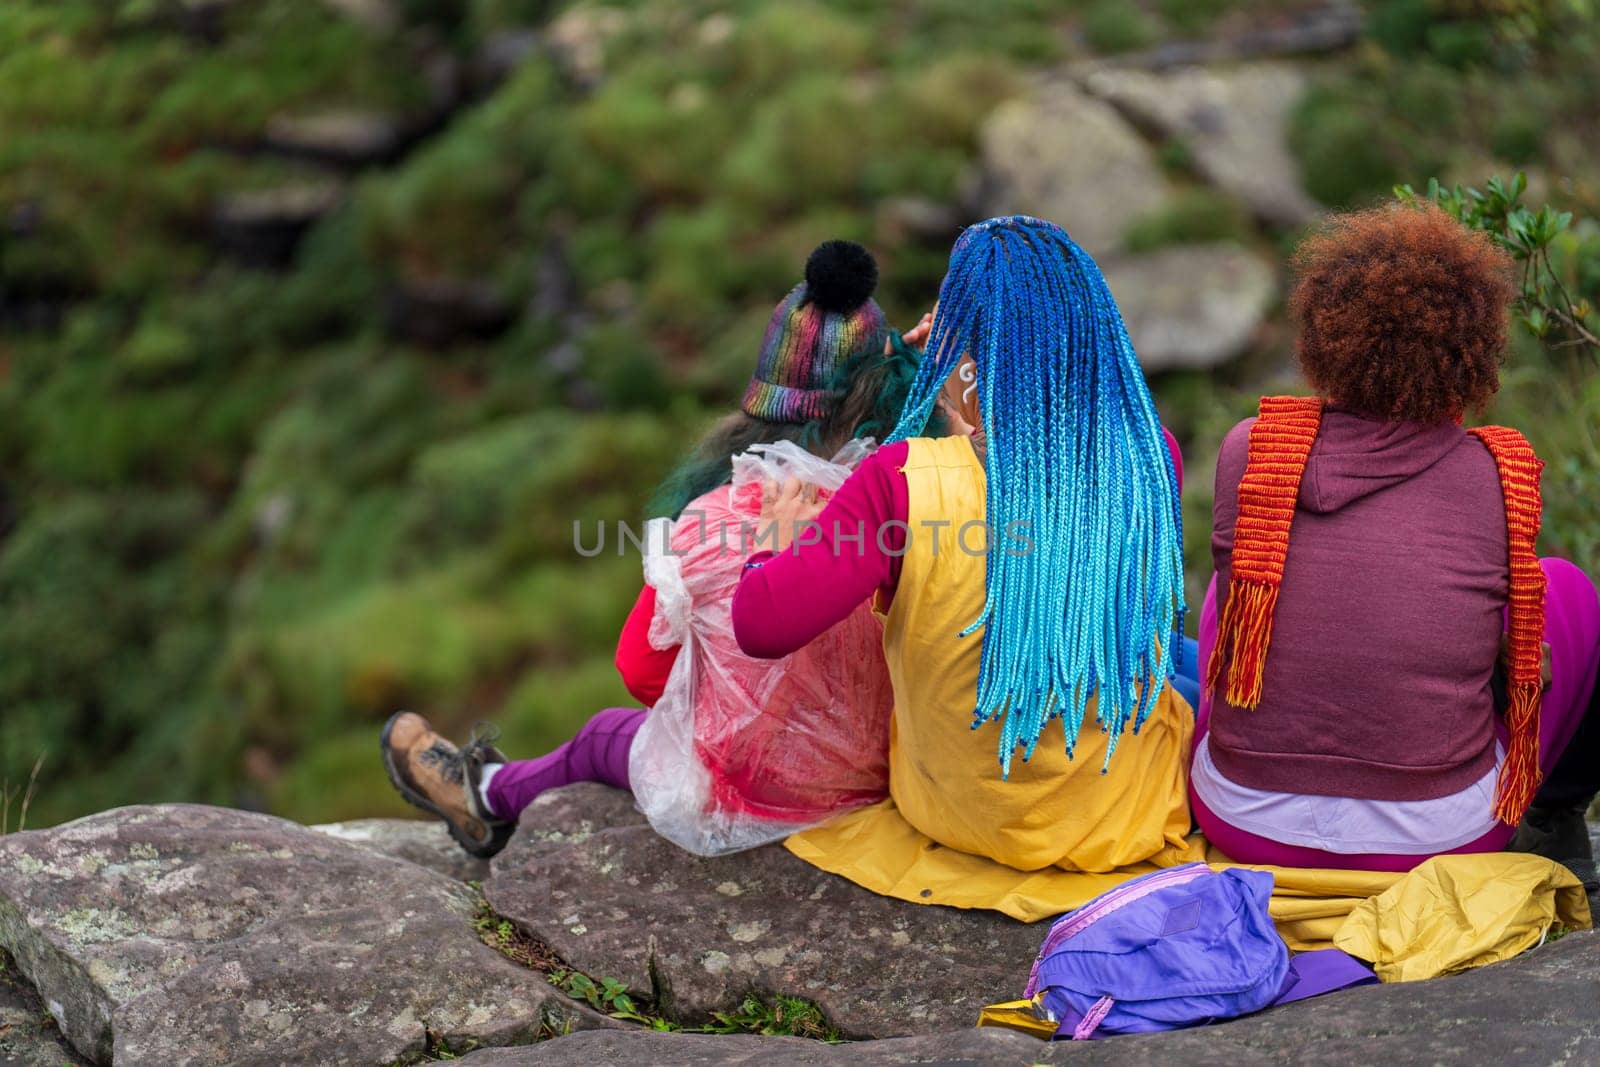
(959, 396)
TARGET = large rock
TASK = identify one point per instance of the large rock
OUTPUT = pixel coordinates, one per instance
(379, 15)
(263, 227)
(1541, 1008)
(425, 843)
(1191, 306)
(181, 934)
(1233, 122)
(346, 138)
(438, 311)
(1253, 33)
(1069, 158)
(578, 38)
(585, 876)
(29, 1036)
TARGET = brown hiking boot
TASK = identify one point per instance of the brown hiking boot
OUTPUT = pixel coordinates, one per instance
(437, 777)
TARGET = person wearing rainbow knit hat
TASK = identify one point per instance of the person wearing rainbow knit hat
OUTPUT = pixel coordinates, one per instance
(1375, 631)
(828, 377)
(1030, 578)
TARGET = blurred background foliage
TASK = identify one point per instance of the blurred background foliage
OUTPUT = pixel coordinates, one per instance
(321, 321)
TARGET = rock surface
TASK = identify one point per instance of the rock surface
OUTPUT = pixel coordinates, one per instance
(427, 844)
(263, 227)
(181, 934)
(1233, 122)
(1069, 158)
(1191, 306)
(373, 14)
(28, 1035)
(587, 877)
(1541, 1008)
(1262, 32)
(348, 138)
(439, 311)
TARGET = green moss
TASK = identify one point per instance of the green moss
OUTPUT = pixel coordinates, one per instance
(1117, 26)
(341, 777)
(796, 150)
(1192, 17)
(1518, 137)
(1343, 159)
(1192, 216)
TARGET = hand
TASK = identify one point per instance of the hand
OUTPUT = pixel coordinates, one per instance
(953, 420)
(915, 337)
(789, 506)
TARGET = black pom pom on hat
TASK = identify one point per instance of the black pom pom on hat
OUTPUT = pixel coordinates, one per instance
(840, 276)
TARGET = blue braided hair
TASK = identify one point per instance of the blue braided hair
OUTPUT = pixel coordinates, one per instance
(1077, 463)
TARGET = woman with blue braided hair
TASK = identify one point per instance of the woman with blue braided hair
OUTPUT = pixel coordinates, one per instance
(1030, 576)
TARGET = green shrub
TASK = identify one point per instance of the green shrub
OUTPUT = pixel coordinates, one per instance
(800, 147)
(548, 704)
(666, 139)
(1193, 16)
(340, 777)
(1342, 158)
(778, 44)
(1191, 217)
(1401, 26)
(1116, 26)
(624, 368)
(1518, 137)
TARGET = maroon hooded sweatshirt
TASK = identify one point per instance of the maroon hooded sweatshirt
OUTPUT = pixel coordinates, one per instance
(1388, 622)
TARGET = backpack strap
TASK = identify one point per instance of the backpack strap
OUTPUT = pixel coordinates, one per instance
(1280, 443)
(1519, 468)
(1327, 970)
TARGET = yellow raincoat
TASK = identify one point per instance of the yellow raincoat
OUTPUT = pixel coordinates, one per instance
(944, 778)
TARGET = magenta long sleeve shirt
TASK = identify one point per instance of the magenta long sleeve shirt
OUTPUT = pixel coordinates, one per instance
(786, 600)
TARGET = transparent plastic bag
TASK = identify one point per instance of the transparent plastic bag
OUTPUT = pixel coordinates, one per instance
(740, 752)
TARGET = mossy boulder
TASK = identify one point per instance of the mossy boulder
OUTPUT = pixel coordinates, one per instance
(1065, 156)
(181, 934)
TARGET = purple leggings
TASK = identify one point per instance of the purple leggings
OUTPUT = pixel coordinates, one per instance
(1571, 628)
(598, 752)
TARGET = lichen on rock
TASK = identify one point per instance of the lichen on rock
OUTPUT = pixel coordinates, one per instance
(208, 936)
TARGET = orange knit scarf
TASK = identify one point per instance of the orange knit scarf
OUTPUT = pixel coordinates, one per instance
(1280, 443)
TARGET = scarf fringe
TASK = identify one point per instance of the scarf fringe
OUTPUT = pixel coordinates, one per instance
(1519, 468)
(1286, 428)
(1519, 775)
(1246, 630)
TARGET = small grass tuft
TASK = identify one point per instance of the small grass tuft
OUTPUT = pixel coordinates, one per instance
(780, 1016)
(22, 795)
(503, 935)
(609, 996)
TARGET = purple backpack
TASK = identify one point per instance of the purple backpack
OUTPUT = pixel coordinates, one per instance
(1180, 947)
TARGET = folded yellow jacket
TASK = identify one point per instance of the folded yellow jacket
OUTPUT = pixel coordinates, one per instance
(1450, 913)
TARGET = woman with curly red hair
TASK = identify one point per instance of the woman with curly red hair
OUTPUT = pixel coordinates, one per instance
(1391, 669)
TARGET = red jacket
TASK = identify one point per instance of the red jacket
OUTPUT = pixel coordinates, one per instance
(644, 668)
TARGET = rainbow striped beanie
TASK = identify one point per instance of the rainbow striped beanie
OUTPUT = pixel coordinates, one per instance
(823, 321)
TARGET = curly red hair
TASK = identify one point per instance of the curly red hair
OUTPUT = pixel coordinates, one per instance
(1402, 313)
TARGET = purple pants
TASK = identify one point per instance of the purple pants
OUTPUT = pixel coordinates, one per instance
(1572, 630)
(598, 752)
